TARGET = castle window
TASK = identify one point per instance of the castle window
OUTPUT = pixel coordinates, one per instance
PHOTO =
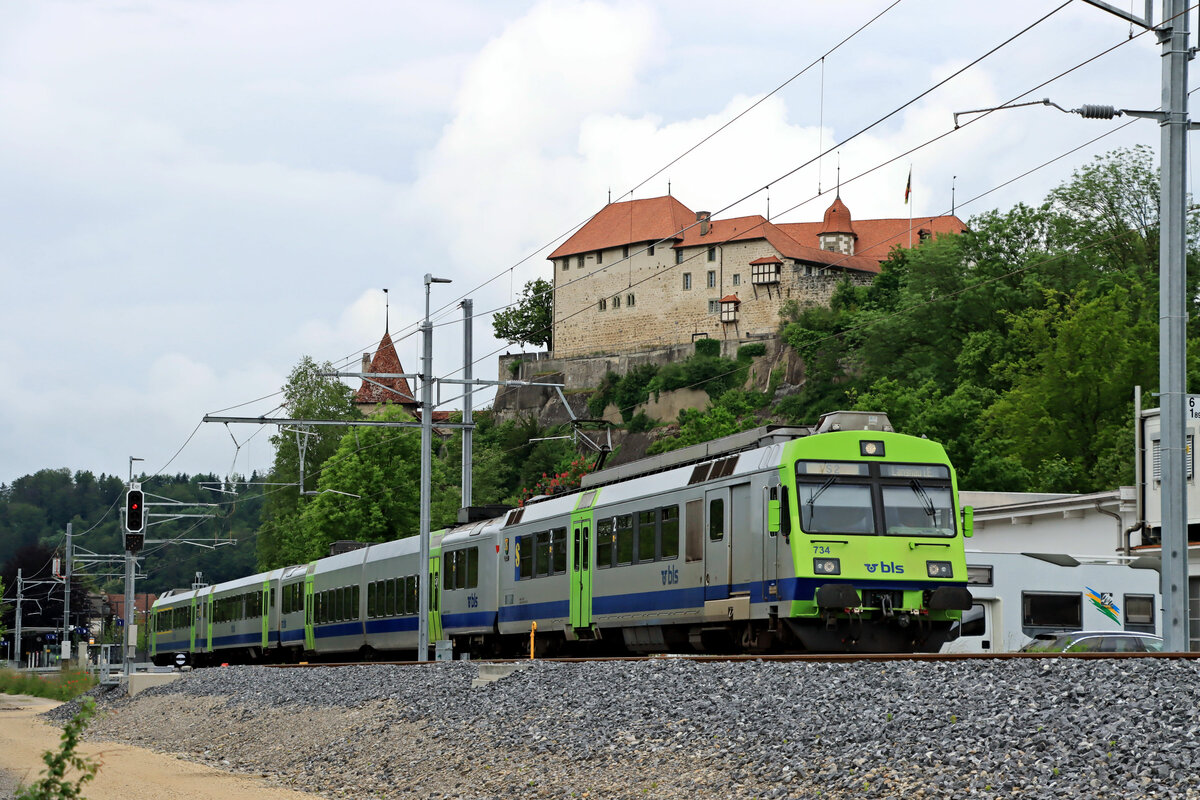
(566, 264)
(712, 279)
(679, 256)
(603, 304)
(650, 250)
(729, 308)
(737, 279)
(599, 256)
(629, 300)
(687, 281)
(616, 302)
(579, 262)
(712, 254)
(625, 251)
(714, 306)
(765, 273)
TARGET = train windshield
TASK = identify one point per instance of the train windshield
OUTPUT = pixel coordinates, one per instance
(870, 498)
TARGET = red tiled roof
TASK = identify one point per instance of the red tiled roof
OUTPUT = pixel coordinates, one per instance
(766, 260)
(877, 237)
(629, 222)
(837, 218)
(386, 359)
(666, 218)
(141, 602)
(731, 298)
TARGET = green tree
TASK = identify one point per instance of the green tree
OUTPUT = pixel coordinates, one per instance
(380, 465)
(530, 320)
(307, 395)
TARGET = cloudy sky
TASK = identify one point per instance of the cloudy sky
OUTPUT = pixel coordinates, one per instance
(193, 195)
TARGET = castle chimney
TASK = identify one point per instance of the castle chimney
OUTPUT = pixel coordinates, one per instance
(366, 363)
(702, 218)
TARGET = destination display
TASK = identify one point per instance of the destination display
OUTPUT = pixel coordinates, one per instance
(831, 468)
(928, 471)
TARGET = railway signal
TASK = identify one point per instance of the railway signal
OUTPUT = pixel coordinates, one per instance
(135, 520)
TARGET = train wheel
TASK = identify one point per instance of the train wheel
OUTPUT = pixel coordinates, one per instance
(366, 653)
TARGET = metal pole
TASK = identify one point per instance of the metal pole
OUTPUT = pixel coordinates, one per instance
(468, 307)
(1172, 339)
(20, 598)
(128, 650)
(67, 597)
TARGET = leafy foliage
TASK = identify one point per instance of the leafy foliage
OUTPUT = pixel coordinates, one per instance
(530, 321)
(54, 784)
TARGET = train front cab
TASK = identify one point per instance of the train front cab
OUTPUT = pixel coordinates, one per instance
(875, 533)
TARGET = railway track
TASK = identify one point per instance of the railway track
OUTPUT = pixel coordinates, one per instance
(826, 658)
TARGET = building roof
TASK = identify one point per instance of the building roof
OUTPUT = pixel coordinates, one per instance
(660, 218)
(632, 221)
(731, 298)
(142, 601)
(876, 237)
(837, 218)
(386, 359)
(766, 260)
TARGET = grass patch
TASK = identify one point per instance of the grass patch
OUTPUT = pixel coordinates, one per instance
(57, 686)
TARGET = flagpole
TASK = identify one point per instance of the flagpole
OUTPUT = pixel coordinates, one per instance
(908, 200)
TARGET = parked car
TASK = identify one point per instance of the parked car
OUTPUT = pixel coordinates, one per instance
(1095, 642)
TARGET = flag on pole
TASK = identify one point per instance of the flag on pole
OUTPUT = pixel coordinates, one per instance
(908, 186)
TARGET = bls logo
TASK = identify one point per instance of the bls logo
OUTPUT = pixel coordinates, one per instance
(472, 601)
(886, 568)
(670, 575)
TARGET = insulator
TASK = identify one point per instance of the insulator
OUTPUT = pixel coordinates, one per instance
(1097, 112)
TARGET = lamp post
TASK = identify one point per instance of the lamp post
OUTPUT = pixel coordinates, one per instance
(426, 592)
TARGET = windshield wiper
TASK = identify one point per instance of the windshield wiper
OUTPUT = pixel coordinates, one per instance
(926, 500)
(812, 498)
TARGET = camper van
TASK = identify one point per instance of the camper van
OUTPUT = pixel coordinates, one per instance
(1018, 596)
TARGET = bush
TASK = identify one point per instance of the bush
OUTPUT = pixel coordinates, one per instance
(59, 686)
(708, 347)
(53, 785)
(752, 350)
(641, 423)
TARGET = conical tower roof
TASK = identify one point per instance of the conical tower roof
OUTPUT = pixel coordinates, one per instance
(837, 218)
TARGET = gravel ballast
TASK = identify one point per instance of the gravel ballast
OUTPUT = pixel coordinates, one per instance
(670, 728)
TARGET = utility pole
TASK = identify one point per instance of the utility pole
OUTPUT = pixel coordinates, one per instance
(426, 592)
(468, 307)
(20, 599)
(66, 641)
(1172, 337)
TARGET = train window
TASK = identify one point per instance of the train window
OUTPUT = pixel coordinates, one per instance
(1057, 610)
(473, 565)
(716, 519)
(354, 604)
(413, 584)
(1139, 612)
(525, 555)
(670, 532)
(918, 510)
(974, 621)
(387, 597)
(625, 539)
(647, 534)
(979, 575)
(340, 603)
(372, 588)
(448, 570)
(317, 607)
(558, 551)
(541, 554)
(836, 508)
(272, 601)
(604, 543)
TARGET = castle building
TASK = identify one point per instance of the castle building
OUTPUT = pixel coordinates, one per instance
(649, 273)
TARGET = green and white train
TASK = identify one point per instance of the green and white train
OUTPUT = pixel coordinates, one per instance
(846, 537)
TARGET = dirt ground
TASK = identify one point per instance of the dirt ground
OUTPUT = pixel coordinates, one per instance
(126, 773)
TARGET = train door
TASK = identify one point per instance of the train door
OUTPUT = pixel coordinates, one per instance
(266, 613)
(579, 557)
(310, 635)
(208, 621)
(194, 620)
(435, 592)
(770, 539)
(718, 544)
(153, 634)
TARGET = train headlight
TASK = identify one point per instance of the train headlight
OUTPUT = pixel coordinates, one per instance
(939, 569)
(827, 566)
